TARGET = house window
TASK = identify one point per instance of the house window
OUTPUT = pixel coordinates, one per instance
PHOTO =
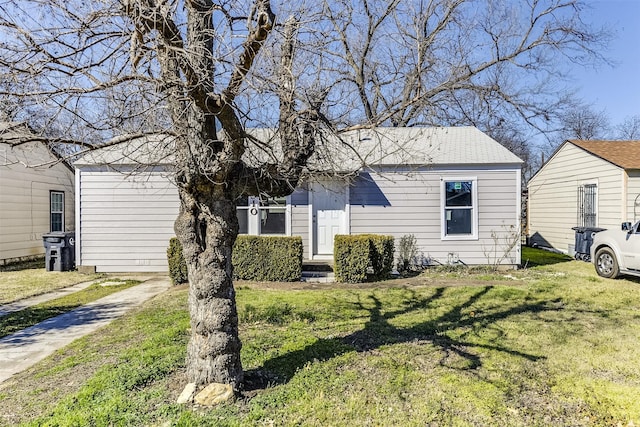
(266, 216)
(587, 202)
(459, 208)
(242, 211)
(56, 211)
(273, 213)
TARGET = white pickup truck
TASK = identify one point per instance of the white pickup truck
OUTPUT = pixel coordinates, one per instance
(616, 252)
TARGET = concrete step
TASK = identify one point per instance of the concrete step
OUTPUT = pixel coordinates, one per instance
(319, 266)
(318, 276)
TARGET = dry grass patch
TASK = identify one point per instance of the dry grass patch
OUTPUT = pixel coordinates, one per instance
(20, 284)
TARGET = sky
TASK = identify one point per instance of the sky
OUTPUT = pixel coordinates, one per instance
(615, 90)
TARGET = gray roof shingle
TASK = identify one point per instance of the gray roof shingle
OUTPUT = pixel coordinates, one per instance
(349, 151)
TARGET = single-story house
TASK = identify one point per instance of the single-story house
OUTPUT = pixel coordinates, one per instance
(586, 184)
(455, 189)
(36, 193)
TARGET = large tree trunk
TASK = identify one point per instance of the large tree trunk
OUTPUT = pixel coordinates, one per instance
(207, 226)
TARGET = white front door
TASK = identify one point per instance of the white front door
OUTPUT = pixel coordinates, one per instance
(329, 202)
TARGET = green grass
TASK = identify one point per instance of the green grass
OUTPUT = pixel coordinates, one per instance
(554, 345)
(30, 316)
(23, 283)
(532, 257)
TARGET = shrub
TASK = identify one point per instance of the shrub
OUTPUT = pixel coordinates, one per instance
(271, 258)
(408, 252)
(177, 265)
(351, 258)
(362, 257)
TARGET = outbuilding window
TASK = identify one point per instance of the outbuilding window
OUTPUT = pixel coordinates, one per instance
(459, 201)
(56, 211)
(587, 203)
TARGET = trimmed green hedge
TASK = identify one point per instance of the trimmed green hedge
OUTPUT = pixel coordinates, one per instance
(177, 266)
(362, 257)
(271, 258)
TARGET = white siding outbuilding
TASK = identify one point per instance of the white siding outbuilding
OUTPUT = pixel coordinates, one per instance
(587, 184)
(127, 220)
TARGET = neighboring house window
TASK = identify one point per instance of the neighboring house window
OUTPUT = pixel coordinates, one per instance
(459, 199)
(267, 216)
(587, 203)
(56, 209)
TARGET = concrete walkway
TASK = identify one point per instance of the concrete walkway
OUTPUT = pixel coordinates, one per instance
(23, 349)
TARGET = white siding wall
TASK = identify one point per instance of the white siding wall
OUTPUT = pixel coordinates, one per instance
(410, 204)
(127, 221)
(553, 195)
(24, 199)
(300, 218)
(633, 193)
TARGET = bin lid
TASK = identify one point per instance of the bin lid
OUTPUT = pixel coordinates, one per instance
(587, 229)
(57, 234)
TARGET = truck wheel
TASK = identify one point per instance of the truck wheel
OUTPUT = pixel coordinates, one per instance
(606, 264)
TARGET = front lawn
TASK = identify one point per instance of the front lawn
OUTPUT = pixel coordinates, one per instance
(551, 345)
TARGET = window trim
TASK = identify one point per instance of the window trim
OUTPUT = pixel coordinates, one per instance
(52, 212)
(474, 208)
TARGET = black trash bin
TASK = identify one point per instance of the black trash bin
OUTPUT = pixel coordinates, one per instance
(60, 250)
(584, 240)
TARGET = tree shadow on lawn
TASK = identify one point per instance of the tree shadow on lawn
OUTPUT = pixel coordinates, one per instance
(56, 321)
(378, 332)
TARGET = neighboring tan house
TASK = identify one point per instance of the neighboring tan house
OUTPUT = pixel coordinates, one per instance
(36, 193)
(584, 183)
(455, 189)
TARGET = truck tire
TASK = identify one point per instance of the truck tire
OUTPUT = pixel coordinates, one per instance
(606, 263)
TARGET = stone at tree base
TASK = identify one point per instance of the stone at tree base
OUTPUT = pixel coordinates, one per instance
(213, 394)
(187, 394)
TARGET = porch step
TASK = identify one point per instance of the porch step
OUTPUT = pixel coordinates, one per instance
(318, 276)
(318, 271)
(321, 266)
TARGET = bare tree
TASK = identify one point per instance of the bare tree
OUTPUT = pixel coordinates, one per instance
(629, 129)
(204, 71)
(583, 122)
(450, 61)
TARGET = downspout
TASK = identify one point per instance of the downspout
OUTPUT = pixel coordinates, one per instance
(78, 216)
(625, 196)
